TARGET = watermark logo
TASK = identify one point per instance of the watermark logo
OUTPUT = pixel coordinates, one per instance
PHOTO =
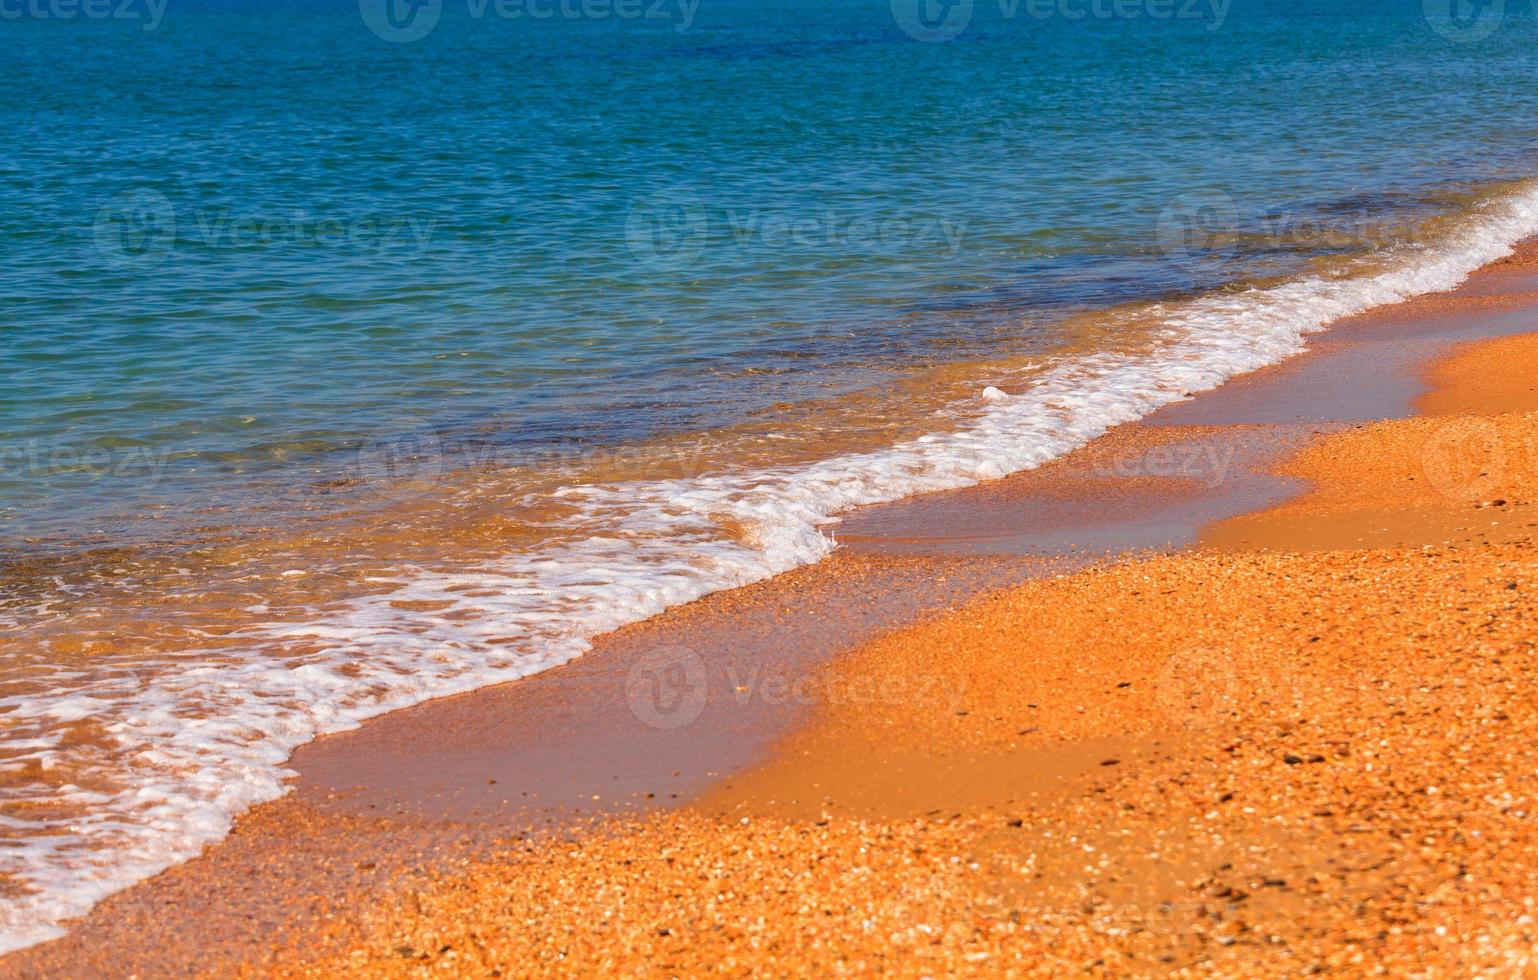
(35, 458)
(1204, 226)
(672, 229)
(932, 20)
(1464, 21)
(401, 21)
(1198, 687)
(944, 20)
(667, 687)
(409, 462)
(1464, 459)
(582, 463)
(135, 230)
(223, 229)
(1197, 226)
(149, 12)
(1205, 462)
(668, 230)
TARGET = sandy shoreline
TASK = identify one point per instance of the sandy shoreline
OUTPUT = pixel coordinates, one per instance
(1304, 744)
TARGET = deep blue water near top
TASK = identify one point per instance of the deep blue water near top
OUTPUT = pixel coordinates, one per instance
(239, 238)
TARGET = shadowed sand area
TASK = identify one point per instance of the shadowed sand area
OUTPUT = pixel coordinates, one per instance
(1290, 735)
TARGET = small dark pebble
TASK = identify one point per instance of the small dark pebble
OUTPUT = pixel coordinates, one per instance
(1316, 758)
(1125, 684)
(1291, 759)
(1111, 762)
(1275, 883)
(1225, 797)
(664, 932)
(1017, 823)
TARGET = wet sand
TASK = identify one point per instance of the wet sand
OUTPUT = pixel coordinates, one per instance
(1298, 745)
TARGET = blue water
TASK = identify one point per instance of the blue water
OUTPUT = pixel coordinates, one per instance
(242, 239)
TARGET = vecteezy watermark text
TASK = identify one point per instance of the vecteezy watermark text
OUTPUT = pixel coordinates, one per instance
(138, 230)
(1204, 225)
(36, 458)
(1206, 462)
(149, 12)
(942, 20)
(670, 687)
(401, 21)
(413, 460)
(1211, 12)
(671, 229)
(223, 228)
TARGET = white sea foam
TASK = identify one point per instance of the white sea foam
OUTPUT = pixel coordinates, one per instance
(649, 546)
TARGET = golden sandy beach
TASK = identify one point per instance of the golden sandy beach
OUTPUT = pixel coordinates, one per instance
(1307, 746)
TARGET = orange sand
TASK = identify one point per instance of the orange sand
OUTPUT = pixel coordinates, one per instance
(1463, 472)
(1310, 746)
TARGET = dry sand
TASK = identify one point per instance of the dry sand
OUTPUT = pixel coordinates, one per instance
(1308, 746)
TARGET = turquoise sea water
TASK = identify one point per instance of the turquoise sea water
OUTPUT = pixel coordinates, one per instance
(266, 260)
(244, 239)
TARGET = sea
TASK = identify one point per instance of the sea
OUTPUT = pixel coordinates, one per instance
(354, 354)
